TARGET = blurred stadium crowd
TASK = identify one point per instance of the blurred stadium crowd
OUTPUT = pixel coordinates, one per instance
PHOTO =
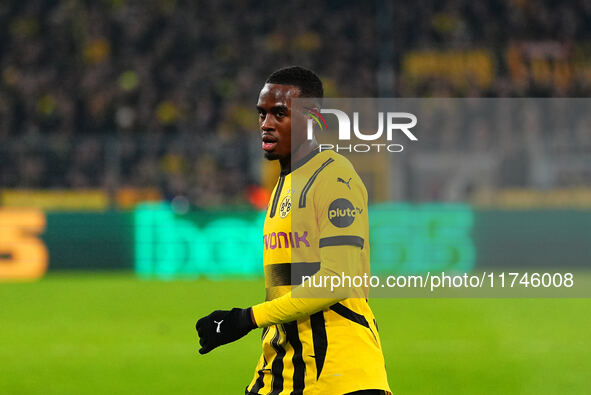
(122, 93)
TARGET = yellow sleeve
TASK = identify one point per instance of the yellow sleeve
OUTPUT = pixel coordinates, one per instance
(303, 300)
(341, 208)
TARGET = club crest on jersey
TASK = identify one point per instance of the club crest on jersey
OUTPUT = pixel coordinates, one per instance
(342, 213)
(285, 206)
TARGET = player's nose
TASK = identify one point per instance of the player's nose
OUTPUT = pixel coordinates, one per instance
(267, 123)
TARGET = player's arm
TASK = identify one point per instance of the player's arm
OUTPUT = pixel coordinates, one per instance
(225, 326)
(306, 299)
(341, 246)
(341, 254)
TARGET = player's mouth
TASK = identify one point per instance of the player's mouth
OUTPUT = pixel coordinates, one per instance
(269, 142)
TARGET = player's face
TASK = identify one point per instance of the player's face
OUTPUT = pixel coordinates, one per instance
(275, 116)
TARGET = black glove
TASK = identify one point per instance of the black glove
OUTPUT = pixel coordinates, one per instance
(222, 327)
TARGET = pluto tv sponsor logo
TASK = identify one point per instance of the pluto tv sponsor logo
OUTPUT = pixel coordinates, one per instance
(342, 213)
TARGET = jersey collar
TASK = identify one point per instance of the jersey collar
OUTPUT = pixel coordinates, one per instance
(302, 161)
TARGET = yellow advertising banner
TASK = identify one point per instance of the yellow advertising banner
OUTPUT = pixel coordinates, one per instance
(56, 200)
(23, 256)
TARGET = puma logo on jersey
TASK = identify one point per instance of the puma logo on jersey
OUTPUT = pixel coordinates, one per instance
(339, 179)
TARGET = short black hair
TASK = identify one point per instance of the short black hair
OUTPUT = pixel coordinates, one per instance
(308, 82)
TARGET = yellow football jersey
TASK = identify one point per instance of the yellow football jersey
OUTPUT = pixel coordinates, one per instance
(317, 217)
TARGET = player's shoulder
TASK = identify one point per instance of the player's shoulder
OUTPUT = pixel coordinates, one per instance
(338, 165)
(338, 173)
(330, 162)
(339, 161)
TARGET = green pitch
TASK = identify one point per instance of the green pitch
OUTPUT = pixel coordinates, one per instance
(114, 334)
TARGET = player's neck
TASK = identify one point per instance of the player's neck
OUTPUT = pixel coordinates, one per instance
(299, 154)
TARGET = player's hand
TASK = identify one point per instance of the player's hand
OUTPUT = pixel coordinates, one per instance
(222, 327)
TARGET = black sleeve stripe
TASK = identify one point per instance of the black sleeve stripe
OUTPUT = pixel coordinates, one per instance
(311, 181)
(349, 314)
(276, 197)
(291, 273)
(342, 241)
